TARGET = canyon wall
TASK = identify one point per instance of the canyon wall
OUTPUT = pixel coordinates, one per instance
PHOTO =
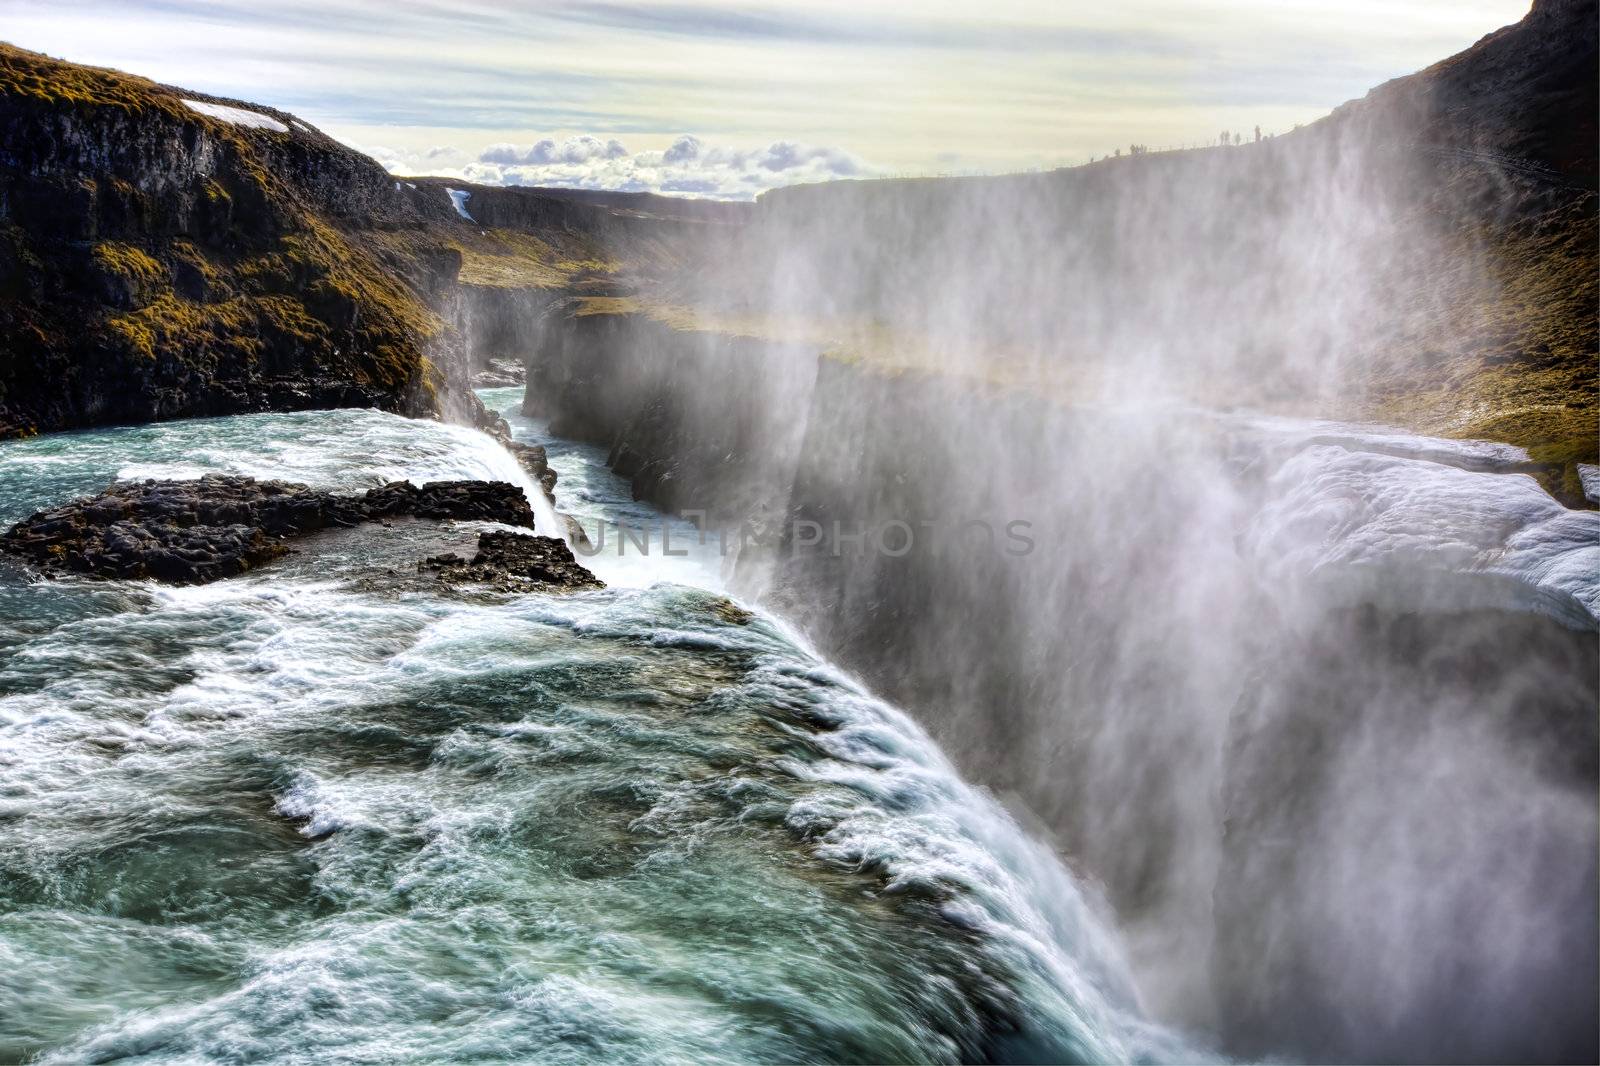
(165, 255)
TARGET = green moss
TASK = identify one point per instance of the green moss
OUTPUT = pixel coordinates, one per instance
(213, 281)
(287, 320)
(512, 259)
(39, 77)
(127, 262)
(177, 326)
(1556, 437)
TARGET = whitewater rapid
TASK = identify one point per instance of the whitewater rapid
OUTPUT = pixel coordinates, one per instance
(298, 817)
(1377, 515)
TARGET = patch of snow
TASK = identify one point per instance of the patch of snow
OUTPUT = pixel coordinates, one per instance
(459, 197)
(238, 116)
(411, 185)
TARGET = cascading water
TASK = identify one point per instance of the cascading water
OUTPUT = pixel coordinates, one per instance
(294, 815)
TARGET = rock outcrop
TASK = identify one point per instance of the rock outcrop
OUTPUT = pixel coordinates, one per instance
(532, 458)
(513, 562)
(191, 532)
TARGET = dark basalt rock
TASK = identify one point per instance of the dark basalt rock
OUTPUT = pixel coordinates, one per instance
(533, 459)
(191, 532)
(483, 501)
(513, 561)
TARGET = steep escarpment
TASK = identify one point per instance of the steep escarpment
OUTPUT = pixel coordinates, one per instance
(530, 256)
(1423, 257)
(166, 255)
(684, 413)
(1509, 131)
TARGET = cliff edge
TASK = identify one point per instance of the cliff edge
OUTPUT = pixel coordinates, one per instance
(166, 254)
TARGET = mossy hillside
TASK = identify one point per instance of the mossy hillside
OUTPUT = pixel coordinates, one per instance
(128, 276)
(156, 262)
(1526, 370)
(39, 78)
(511, 259)
(313, 307)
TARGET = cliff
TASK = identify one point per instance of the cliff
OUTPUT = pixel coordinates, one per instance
(165, 254)
(1424, 256)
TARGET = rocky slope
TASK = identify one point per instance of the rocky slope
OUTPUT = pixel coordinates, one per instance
(164, 255)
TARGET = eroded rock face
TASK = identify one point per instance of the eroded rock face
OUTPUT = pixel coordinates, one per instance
(533, 459)
(159, 262)
(499, 373)
(191, 532)
(512, 562)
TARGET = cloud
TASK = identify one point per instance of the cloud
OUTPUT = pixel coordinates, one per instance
(575, 151)
(889, 27)
(688, 166)
(685, 149)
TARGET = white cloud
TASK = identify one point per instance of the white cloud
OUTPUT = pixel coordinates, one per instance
(684, 150)
(575, 151)
(688, 166)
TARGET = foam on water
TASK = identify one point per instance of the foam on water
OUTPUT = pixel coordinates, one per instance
(346, 451)
(279, 817)
(1390, 518)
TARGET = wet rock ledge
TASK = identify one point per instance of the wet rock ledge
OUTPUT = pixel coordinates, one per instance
(191, 532)
(510, 562)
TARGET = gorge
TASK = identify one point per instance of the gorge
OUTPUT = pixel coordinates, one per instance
(1225, 517)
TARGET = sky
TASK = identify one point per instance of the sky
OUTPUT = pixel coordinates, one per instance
(725, 98)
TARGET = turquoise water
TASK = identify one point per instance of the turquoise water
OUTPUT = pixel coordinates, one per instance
(629, 540)
(299, 816)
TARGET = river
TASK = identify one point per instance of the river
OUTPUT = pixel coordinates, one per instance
(299, 816)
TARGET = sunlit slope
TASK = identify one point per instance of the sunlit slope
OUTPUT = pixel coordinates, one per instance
(164, 254)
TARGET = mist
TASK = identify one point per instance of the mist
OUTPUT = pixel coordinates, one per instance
(1309, 699)
(1143, 611)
